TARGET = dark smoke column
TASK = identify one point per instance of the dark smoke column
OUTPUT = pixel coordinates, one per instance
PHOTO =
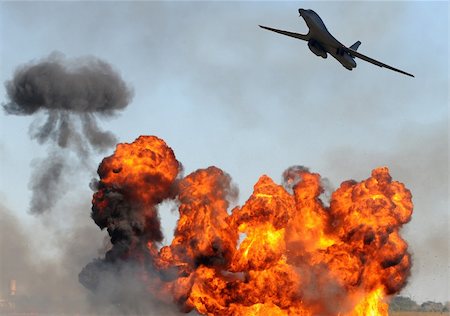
(133, 181)
(72, 94)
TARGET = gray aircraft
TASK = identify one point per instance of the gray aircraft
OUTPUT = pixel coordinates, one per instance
(321, 42)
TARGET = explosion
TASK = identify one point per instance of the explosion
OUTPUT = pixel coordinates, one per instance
(284, 252)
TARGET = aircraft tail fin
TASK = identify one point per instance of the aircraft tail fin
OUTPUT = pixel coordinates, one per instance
(355, 46)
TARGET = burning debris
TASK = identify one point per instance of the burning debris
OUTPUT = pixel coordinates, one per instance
(297, 256)
(72, 93)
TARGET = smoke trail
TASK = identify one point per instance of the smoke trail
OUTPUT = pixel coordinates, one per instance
(72, 93)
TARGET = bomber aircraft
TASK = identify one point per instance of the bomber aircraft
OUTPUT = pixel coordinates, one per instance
(321, 42)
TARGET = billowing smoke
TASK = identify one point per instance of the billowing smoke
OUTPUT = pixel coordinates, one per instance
(72, 94)
(46, 284)
(292, 175)
(132, 183)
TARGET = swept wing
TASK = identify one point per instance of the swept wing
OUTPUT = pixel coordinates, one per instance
(354, 53)
(291, 34)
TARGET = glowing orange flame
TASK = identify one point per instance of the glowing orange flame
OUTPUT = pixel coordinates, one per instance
(296, 256)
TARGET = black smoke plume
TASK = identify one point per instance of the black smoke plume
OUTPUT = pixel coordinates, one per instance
(72, 94)
(126, 205)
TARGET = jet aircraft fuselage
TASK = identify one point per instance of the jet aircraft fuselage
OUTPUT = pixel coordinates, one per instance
(321, 38)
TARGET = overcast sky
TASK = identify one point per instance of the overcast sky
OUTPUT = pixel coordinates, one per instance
(221, 91)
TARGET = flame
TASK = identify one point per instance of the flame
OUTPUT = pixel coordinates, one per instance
(282, 253)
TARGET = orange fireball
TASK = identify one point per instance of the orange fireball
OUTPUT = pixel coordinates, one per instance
(284, 252)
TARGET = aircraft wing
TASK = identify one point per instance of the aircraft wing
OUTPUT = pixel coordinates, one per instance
(291, 34)
(354, 53)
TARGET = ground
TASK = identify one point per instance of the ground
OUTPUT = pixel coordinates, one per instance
(419, 314)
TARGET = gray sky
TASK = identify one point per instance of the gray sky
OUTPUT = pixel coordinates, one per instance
(220, 91)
